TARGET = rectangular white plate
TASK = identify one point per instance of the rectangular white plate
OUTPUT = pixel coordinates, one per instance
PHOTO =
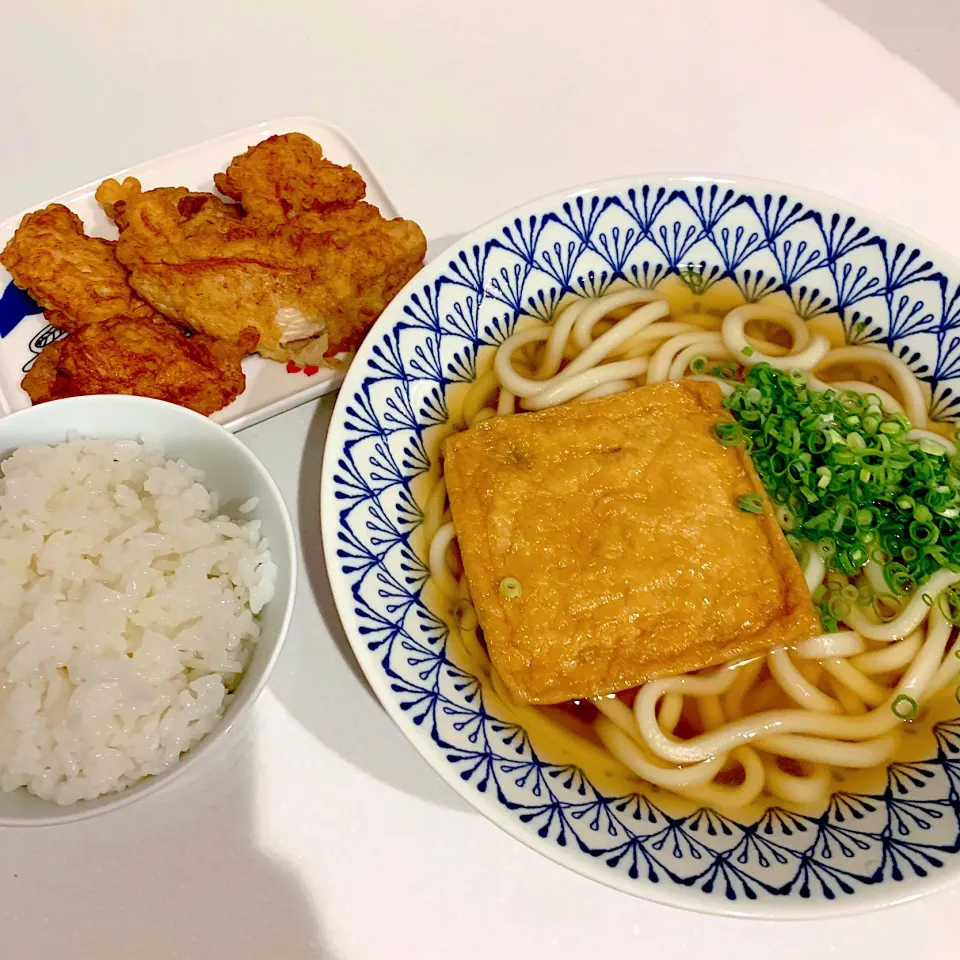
(270, 388)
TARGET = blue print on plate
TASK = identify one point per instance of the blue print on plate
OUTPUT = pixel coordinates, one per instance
(888, 286)
(14, 306)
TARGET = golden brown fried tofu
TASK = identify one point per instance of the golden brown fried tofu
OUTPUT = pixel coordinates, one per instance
(620, 520)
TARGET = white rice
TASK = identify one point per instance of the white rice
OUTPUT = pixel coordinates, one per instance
(127, 614)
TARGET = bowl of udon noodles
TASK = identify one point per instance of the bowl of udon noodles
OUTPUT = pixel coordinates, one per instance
(804, 761)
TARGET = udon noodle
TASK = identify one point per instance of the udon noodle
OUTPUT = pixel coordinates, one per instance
(784, 728)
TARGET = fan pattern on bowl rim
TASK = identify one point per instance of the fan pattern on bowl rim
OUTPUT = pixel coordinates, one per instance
(886, 292)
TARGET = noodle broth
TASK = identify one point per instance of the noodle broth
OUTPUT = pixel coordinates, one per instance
(581, 733)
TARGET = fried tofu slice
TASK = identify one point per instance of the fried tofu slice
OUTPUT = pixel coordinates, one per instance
(620, 519)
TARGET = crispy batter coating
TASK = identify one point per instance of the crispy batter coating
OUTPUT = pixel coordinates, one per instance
(286, 175)
(316, 281)
(620, 520)
(75, 278)
(143, 358)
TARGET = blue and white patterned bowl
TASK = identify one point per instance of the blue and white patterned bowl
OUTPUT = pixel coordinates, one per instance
(888, 285)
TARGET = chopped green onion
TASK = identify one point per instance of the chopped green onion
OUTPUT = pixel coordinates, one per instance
(844, 478)
(923, 534)
(839, 607)
(747, 351)
(927, 599)
(932, 448)
(784, 518)
(699, 363)
(898, 578)
(751, 503)
(948, 604)
(827, 549)
(882, 601)
(904, 707)
(510, 588)
(729, 434)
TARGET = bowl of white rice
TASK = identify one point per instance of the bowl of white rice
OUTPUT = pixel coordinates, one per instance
(147, 576)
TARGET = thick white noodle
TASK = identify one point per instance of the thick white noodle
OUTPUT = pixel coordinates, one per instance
(557, 341)
(646, 341)
(620, 737)
(663, 358)
(948, 673)
(916, 681)
(887, 401)
(439, 571)
(506, 403)
(485, 414)
(605, 390)
(912, 615)
(592, 314)
(932, 437)
(526, 387)
(605, 344)
(560, 389)
(866, 753)
(724, 796)
(797, 686)
(814, 570)
(844, 643)
(709, 348)
(671, 707)
(812, 787)
(894, 656)
(805, 353)
(855, 681)
(914, 402)
(874, 574)
(725, 388)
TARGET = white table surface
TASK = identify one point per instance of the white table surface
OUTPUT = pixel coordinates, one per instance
(319, 832)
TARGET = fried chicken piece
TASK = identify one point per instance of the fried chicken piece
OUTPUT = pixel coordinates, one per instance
(181, 212)
(75, 278)
(286, 175)
(311, 286)
(143, 358)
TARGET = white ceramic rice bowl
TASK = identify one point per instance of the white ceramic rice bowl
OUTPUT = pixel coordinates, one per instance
(236, 475)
